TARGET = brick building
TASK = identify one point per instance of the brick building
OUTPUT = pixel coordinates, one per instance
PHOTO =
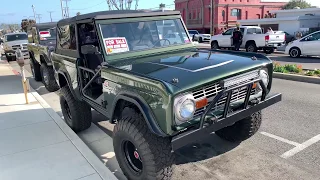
(226, 13)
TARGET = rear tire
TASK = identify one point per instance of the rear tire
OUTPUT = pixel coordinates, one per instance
(214, 45)
(77, 114)
(141, 154)
(268, 50)
(295, 52)
(251, 47)
(242, 129)
(35, 70)
(47, 76)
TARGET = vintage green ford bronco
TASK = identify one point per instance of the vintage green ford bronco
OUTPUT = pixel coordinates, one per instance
(42, 41)
(158, 89)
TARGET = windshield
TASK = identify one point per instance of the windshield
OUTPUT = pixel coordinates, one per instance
(138, 36)
(48, 34)
(16, 37)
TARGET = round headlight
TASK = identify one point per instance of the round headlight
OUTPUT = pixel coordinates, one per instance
(184, 108)
(264, 76)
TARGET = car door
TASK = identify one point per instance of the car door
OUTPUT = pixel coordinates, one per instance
(225, 39)
(310, 44)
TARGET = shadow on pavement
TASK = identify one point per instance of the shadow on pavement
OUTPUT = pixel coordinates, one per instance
(207, 148)
(302, 59)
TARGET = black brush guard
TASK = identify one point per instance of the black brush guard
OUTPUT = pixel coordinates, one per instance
(248, 108)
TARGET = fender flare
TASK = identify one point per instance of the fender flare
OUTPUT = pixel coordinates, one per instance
(75, 93)
(144, 109)
(46, 59)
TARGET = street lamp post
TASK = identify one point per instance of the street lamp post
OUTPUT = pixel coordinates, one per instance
(34, 12)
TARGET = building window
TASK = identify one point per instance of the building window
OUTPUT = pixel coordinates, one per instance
(223, 15)
(246, 14)
(199, 15)
(236, 12)
(189, 15)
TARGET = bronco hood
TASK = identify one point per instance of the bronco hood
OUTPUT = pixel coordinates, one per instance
(187, 70)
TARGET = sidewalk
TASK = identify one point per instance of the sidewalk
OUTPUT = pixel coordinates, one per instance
(35, 142)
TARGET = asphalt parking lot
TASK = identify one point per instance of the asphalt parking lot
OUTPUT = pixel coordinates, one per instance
(286, 147)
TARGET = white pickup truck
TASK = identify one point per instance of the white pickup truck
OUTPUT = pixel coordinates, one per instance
(253, 40)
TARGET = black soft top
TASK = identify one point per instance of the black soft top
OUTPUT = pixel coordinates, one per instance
(45, 25)
(116, 14)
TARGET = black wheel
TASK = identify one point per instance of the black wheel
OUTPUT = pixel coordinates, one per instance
(10, 58)
(200, 40)
(252, 47)
(77, 114)
(35, 70)
(268, 50)
(214, 45)
(294, 52)
(141, 154)
(242, 129)
(47, 76)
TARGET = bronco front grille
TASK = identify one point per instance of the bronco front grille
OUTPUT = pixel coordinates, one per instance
(211, 91)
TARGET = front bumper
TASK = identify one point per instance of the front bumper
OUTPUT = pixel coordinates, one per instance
(11, 53)
(209, 124)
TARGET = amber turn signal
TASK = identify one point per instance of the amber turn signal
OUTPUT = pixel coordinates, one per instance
(254, 85)
(201, 103)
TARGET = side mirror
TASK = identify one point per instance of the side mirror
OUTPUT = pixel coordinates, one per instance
(89, 49)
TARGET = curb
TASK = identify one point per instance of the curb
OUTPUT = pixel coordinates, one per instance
(91, 158)
(294, 77)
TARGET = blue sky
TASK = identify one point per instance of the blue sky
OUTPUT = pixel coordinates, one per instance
(13, 12)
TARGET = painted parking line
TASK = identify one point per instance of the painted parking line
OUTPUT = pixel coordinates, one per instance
(301, 147)
(298, 147)
(280, 139)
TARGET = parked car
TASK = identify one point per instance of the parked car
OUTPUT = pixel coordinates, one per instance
(307, 45)
(175, 38)
(13, 42)
(42, 41)
(196, 36)
(253, 40)
(289, 37)
(160, 96)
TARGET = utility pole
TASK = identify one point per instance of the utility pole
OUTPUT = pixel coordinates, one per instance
(34, 12)
(66, 9)
(50, 14)
(39, 17)
(211, 16)
(61, 8)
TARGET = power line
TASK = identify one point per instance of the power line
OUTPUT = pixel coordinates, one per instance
(88, 7)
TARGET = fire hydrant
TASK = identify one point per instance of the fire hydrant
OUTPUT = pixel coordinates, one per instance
(20, 61)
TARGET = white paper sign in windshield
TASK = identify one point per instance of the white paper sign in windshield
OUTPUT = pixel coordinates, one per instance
(45, 34)
(116, 45)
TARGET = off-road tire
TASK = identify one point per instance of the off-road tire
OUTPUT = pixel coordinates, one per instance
(154, 151)
(214, 45)
(35, 70)
(296, 54)
(80, 116)
(242, 129)
(251, 47)
(52, 84)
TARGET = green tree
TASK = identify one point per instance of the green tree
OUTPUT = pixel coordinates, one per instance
(26, 23)
(162, 5)
(78, 13)
(302, 4)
